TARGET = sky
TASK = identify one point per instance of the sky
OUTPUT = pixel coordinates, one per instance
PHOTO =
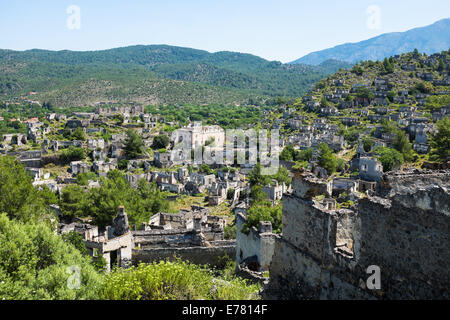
(282, 30)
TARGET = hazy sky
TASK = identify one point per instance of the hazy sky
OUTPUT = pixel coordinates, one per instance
(281, 30)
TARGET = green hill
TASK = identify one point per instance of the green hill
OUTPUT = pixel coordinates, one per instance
(153, 74)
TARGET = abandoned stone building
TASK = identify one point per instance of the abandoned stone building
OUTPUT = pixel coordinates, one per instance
(114, 244)
(192, 235)
(402, 231)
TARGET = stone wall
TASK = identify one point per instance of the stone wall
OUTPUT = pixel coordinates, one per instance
(161, 238)
(254, 244)
(197, 255)
(324, 254)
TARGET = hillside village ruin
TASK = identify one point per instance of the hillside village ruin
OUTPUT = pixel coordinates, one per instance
(333, 227)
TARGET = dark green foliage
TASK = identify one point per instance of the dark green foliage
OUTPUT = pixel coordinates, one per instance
(72, 154)
(351, 134)
(327, 159)
(63, 76)
(123, 164)
(389, 158)
(402, 144)
(341, 164)
(205, 168)
(18, 198)
(358, 70)
(368, 143)
(101, 203)
(78, 134)
(304, 155)
(160, 142)
(391, 96)
(134, 146)
(229, 232)
(264, 211)
(422, 87)
(388, 66)
(282, 176)
(364, 93)
(230, 194)
(257, 194)
(75, 239)
(288, 153)
(83, 178)
(257, 178)
(440, 141)
(226, 116)
(74, 201)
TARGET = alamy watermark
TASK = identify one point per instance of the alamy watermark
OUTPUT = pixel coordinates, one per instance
(74, 20)
(214, 145)
(74, 280)
(374, 281)
(374, 17)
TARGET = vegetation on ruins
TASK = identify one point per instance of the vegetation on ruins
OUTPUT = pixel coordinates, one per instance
(160, 142)
(37, 263)
(101, 203)
(290, 154)
(263, 210)
(224, 115)
(72, 154)
(389, 158)
(134, 146)
(327, 158)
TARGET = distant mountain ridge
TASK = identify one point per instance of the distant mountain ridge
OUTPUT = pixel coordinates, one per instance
(172, 70)
(430, 39)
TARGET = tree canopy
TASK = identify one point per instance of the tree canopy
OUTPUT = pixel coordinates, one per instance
(327, 158)
(440, 141)
(134, 146)
(35, 263)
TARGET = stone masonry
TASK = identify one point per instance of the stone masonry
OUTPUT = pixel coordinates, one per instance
(403, 230)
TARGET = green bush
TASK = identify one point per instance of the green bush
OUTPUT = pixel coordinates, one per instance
(72, 154)
(34, 264)
(177, 280)
(389, 158)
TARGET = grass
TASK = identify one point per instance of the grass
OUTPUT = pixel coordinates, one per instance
(185, 202)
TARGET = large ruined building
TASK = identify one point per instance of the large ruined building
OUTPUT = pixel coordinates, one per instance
(192, 235)
(402, 229)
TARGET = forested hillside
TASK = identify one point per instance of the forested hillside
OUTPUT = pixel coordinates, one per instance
(153, 74)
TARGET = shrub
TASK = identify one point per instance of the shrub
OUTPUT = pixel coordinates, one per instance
(36, 264)
(72, 154)
(177, 280)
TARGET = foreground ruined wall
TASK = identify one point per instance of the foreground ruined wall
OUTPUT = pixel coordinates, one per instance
(324, 254)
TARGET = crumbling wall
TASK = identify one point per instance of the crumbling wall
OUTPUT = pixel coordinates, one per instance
(324, 254)
(161, 238)
(254, 244)
(197, 255)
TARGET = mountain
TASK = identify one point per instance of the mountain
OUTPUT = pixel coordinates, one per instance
(429, 39)
(153, 74)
